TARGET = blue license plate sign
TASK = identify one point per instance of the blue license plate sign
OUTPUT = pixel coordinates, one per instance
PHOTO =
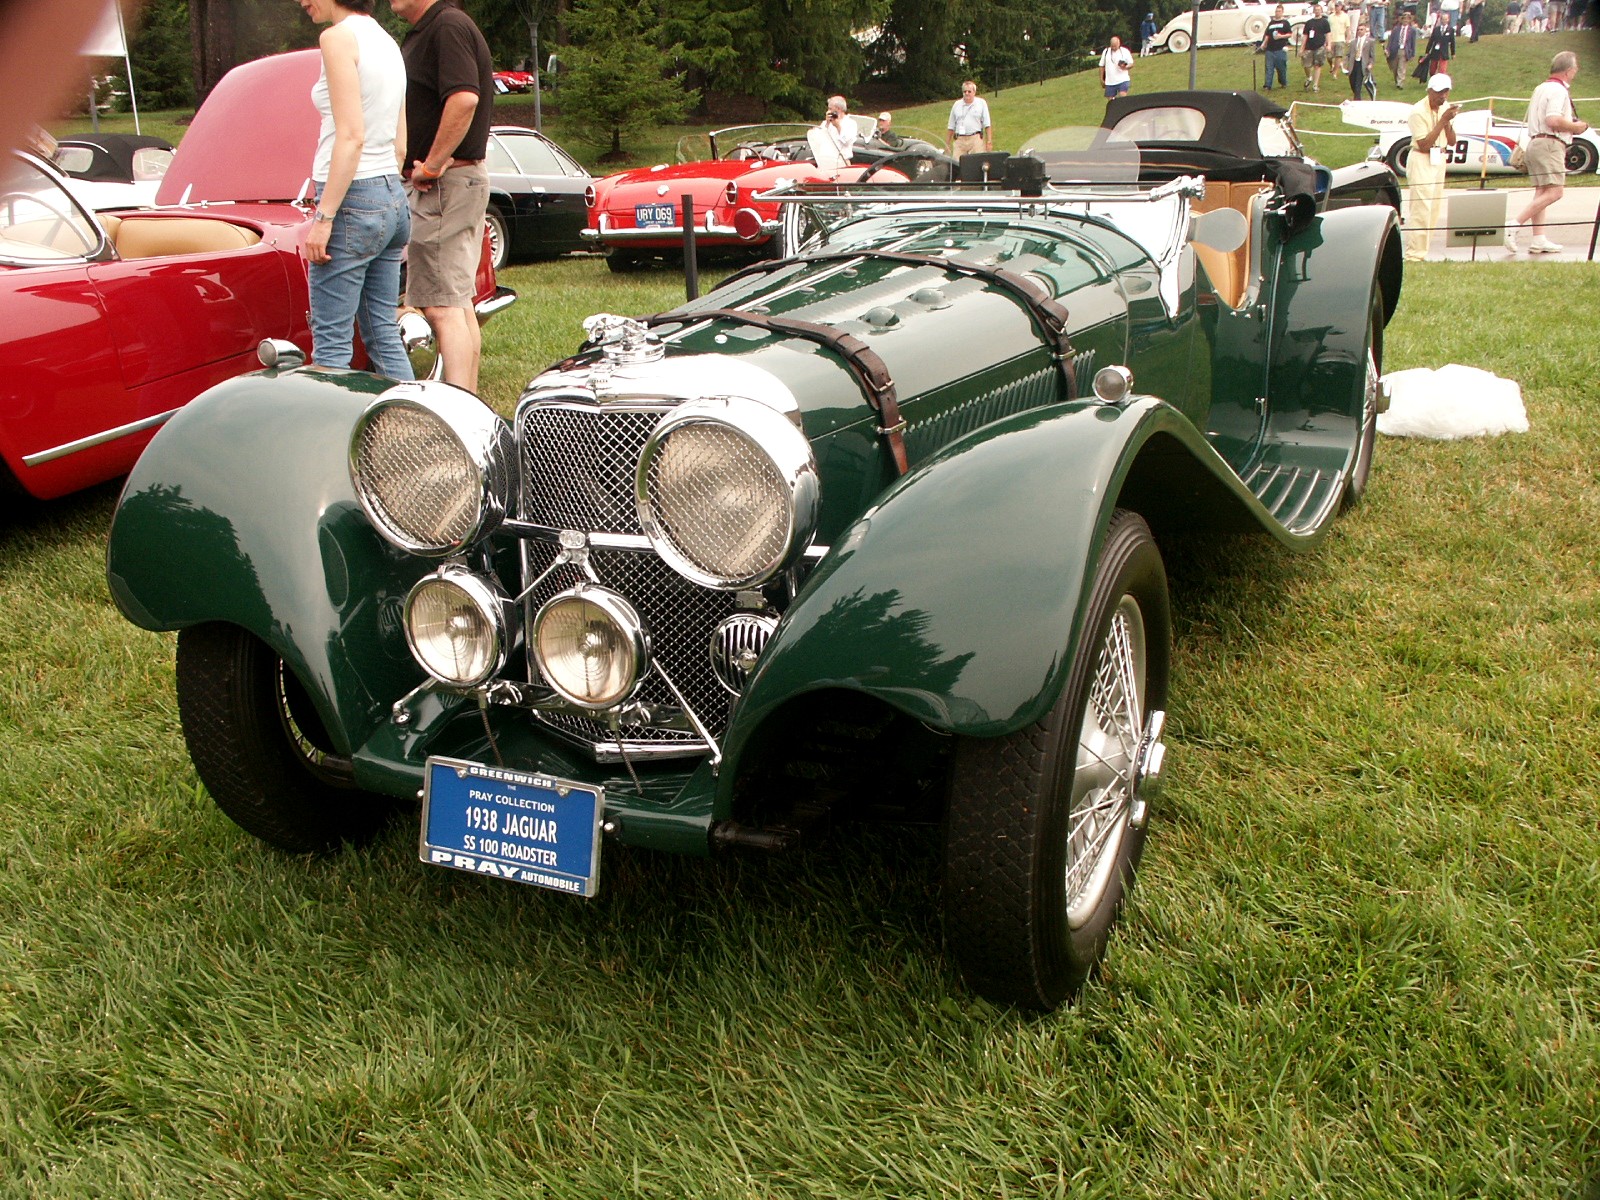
(512, 825)
(655, 216)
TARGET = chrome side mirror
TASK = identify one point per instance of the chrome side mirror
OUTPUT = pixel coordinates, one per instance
(416, 335)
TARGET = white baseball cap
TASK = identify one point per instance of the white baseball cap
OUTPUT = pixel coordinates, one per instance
(885, 117)
(1439, 82)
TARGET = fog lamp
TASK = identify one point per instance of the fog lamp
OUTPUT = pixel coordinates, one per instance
(591, 646)
(457, 625)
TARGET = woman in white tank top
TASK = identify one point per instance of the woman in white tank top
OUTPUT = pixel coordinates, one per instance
(362, 220)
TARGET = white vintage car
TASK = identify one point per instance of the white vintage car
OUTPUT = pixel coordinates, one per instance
(1484, 140)
(1225, 23)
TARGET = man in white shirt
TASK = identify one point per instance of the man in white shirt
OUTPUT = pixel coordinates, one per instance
(1551, 123)
(969, 130)
(1116, 64)
(840, 126)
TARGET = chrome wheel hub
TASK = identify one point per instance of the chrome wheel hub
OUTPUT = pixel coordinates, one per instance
(1119, 760)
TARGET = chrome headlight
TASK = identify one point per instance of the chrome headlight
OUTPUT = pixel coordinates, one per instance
(591, 646)
(457, 625)
(433, 467)
(727, 492)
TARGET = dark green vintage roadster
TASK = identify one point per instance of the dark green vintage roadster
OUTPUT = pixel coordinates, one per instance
(874, 528)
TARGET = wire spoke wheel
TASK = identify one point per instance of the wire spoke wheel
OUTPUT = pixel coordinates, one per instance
(1371, 405)
(1045, 825)
(1108, 746)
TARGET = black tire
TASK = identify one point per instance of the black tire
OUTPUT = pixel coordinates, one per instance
(1019, 932)
(1178, 41)
(260, 748)
(1581, 158)
(1398, 155)
(1361, 470)
(499, 237)
(624, 262)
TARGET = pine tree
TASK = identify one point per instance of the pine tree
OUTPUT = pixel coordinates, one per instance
(618, 80)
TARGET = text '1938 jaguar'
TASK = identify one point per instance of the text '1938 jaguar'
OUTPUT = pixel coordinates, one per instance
(877, 525)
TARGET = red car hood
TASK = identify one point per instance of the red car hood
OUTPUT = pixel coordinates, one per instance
(253, 138)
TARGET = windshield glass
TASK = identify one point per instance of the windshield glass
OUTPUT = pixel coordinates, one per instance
(38, 220)
(1081, 154)
(785, 143)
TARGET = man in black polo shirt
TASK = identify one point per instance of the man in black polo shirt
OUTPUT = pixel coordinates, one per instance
(449, 107)
(1275, 43)
(1314, 47)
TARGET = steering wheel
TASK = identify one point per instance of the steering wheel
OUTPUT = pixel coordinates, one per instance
(62, 220)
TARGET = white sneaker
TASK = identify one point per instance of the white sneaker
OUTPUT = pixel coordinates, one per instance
(1543, 245)
(1511, 240)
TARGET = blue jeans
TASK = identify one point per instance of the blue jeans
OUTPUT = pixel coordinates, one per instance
(360, 282)
(1380, 23)
(1277, 61)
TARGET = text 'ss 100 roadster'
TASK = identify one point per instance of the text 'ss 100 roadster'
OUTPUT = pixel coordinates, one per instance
(876, 526)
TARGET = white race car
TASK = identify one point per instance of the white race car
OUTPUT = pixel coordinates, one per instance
(1484, 141)
(1225, 23)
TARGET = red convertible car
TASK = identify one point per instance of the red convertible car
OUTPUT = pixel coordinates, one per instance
(637, 214)
(114, 321)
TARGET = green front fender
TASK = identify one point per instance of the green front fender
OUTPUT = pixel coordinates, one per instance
(241, 510)
(957, 598)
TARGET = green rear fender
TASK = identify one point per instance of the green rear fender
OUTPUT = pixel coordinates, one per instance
(241, 510)
(957, 598)
(1328, 276)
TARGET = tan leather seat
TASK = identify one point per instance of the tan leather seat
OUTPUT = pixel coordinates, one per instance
(155, 237)
(1229, 271)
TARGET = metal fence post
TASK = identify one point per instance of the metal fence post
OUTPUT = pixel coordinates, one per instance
(691, 260)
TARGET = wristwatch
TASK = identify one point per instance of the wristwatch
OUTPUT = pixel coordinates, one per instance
(319, 215)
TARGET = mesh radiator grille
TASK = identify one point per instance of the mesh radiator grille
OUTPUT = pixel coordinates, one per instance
(578, 465)
(578, 473)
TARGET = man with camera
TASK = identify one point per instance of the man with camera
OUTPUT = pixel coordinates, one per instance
(1432, 139)
(840, 126)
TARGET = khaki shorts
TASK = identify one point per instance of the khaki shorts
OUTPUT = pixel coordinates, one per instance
(447, 238)
(967, 143)
(1547, 162)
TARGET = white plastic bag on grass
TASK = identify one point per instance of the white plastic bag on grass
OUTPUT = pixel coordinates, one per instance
(1452, 402)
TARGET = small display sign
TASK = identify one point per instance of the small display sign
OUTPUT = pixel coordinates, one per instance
(512, 825)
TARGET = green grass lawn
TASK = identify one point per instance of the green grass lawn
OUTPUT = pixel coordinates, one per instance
(1361, 960)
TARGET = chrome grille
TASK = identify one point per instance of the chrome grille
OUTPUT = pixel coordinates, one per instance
(578, 463)
(578, 473)
(681, 617)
